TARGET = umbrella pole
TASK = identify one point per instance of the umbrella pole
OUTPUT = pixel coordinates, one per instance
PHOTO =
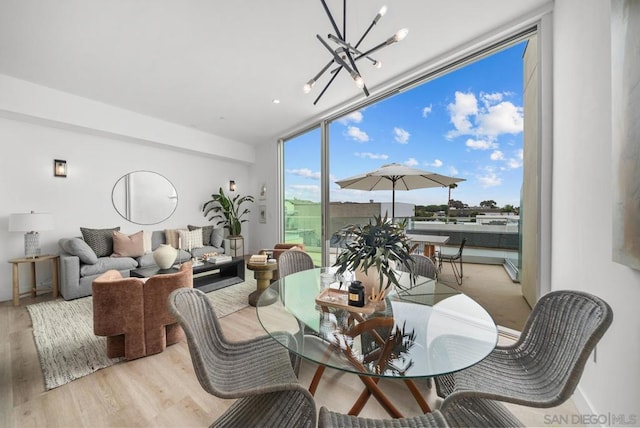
(393, 202)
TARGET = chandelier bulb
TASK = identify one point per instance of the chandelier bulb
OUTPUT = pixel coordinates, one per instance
(358, 81)
(400, 35)
(381, 13)
(307, 86)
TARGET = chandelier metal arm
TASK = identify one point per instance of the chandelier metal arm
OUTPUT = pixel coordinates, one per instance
(351, 48)
(333, 22)
(346, 55)
(336, 57)
(335, 74)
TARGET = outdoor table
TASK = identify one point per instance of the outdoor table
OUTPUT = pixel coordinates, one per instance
(429, 242)
(425, 330)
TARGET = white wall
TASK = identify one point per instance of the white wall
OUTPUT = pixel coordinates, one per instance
(96, 159)
(582, 179)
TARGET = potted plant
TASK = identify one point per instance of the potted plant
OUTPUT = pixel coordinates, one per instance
(372, 252)
(227, 211)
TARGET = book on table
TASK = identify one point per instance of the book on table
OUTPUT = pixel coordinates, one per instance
(258, 258)
(219, 259)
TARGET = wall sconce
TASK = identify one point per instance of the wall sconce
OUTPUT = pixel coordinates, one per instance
(59, 168)
(232, 186)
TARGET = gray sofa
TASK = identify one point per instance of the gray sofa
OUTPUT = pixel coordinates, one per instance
(79, 265)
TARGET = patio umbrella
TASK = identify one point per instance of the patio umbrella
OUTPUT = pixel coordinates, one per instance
(396, 177)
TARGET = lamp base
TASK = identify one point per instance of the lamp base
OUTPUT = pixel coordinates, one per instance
(31, 244)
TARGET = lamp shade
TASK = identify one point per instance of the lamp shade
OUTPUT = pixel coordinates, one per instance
(30, 222)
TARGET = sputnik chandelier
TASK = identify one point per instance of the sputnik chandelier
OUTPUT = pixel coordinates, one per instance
(345, 55)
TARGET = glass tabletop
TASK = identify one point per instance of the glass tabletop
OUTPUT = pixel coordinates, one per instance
(424, 330)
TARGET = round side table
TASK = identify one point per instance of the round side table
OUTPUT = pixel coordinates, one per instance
(262, 272)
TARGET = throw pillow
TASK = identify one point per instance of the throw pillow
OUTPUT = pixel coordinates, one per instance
(217, 236)
(206, 233)
(100, 240)
(77, 247)
(190, 239)
(128, 246)
(147, 241)
(171, 236)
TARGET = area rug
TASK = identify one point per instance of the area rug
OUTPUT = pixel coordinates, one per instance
(67, 347)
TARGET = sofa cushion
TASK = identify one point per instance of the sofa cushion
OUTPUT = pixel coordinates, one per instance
(147, 242)
(146, 260)
(206, 233)
(100, 240)
(199, 252)
(172, 237)
(105, 263)
(128, 245)
(190, 239)
(77, 247)
(217, 236)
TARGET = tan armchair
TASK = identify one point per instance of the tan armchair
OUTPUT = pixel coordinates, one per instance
(278, 249)
(132, 312)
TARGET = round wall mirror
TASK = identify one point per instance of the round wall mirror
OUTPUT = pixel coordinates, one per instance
(144, 197)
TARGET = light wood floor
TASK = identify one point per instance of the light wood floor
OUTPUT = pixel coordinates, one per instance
(160, 390)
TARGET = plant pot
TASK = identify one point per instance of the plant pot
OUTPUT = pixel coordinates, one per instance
(164, 256)
(234, 246)
(371, 283)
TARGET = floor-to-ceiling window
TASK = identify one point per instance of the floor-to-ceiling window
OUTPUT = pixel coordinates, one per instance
(302, 192)
(464, 121)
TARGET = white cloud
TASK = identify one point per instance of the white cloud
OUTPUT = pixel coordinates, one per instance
(355, 117)
(513, 163)
(503, 118)
(427, 110)
(305, 172)
(464, 106)
(437, 163)
(357, 134)
(401, 135)
(487, 99)
(305, 188)
(497, 155)
(481, 144)
(453, 171)
(411, 162)
(369, 155)
(491, 179)
(494, 118)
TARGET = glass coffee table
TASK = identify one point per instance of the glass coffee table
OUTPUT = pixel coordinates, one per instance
(425, 330)
(206, 276)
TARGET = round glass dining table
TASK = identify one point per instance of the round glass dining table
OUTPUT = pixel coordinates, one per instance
(424, 329)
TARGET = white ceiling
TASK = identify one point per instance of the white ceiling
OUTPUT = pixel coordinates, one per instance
(217, 65)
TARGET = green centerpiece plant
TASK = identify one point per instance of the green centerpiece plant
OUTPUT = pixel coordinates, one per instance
(227, 211)
(372, 251)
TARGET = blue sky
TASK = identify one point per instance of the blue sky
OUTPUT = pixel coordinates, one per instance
(466, 124)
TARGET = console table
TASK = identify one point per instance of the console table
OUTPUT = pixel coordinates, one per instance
(32, 261)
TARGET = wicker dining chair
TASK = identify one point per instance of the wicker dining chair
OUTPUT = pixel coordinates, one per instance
(465, 412)
(293, 261)
(423, 266)
(543, 367)
(258, 371)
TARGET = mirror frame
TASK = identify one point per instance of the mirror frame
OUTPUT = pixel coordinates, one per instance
(122, 210)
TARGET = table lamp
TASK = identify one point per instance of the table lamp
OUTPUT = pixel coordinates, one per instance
(31, 223)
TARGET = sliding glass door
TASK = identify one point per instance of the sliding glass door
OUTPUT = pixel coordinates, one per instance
(302, 215)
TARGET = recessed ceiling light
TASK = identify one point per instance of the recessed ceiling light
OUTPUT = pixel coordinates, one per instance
(276, 101)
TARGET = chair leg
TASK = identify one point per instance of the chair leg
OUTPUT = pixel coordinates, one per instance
(457, 272)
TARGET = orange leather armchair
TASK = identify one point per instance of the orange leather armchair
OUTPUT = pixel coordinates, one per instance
(133, 314)
(278, 249)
